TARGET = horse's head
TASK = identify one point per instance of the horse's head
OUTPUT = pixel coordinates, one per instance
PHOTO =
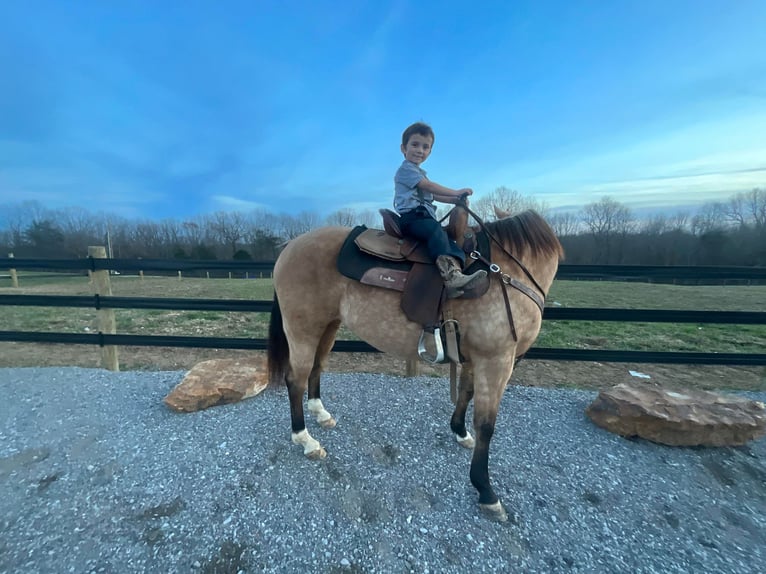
(501, 213)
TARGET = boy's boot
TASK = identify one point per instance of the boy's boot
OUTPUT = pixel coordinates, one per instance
(454, 280)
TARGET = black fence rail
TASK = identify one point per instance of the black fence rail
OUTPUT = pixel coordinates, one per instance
(655, 273)
(582, 272)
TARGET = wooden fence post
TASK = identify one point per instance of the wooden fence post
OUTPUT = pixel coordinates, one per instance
(107, 323)
(14, 277)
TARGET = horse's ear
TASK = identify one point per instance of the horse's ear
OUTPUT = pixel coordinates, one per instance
(501, 214)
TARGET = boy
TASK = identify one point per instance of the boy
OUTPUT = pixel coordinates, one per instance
(414, 196)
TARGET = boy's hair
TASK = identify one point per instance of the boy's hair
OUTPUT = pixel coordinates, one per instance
(417, 128)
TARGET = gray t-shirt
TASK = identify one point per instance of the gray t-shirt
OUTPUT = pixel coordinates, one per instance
(407, 194)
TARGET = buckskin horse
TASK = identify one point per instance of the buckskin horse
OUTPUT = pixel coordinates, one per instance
(312, 299)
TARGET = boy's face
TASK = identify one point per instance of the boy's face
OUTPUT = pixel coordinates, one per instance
(418, 148)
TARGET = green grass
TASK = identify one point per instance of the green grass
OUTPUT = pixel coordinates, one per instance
(564, 334)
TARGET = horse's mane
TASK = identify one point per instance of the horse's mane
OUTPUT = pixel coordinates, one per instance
(526, 230)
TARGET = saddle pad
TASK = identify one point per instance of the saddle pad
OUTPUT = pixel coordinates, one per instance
(354, 263)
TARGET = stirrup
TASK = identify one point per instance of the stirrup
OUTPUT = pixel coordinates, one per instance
(423, 352)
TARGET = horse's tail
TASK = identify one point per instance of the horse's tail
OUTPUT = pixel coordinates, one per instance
(278, 350)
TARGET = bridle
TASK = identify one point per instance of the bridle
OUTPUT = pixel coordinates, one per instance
(505, 279)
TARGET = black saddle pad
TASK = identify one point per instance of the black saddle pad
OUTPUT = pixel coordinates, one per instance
(353, 263)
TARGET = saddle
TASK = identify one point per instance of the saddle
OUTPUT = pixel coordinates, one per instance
(385, 258)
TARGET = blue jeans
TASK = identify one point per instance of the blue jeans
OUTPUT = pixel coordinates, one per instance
(418, 224)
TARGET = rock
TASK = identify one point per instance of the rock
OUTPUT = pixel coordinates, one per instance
(218, 382)
(678, 418)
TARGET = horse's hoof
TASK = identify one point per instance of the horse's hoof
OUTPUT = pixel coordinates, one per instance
(328, 424)
(317, 454)
(494, 512)
(466, 441)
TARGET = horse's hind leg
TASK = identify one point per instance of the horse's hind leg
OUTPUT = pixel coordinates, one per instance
(315, 405)
(465, 394)
(297, 378)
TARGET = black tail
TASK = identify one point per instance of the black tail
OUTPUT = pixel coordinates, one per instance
(278, 351)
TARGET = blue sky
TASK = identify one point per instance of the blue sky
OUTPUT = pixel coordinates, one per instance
(174, 109)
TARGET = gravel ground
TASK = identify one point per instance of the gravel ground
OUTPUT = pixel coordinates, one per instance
(97, 475)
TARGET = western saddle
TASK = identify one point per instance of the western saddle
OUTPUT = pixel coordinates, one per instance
(385, 258)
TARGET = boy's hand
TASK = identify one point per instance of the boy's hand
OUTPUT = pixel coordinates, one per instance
(464, 193)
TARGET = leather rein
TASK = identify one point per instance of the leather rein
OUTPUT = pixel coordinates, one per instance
(505, 279)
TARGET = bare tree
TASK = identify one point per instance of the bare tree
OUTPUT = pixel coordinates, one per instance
(293, 226)
(564, 224)
(192, 232)
(710, 217)
(343, 217)
(679, 221)
(506, 199)
(609, 222)
(80, 229)
(607, 217)
(655, 225)
(263, 220)
(16, 217)
(756, 202)
(747, 209)
(230, 228)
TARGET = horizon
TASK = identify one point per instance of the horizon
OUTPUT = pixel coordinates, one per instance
(149, 111)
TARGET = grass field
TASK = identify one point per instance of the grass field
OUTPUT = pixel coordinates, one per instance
(565, 334)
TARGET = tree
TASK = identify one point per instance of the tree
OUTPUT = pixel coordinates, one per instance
(19, 216)
(609, 222)
(44, 238)
(747, 209)
(506, 199)
(343, 217)
(564, 224)
(607, 217)
(291, 227)
(264, 246)
(229, 227)
(79, 228)
(710, 217)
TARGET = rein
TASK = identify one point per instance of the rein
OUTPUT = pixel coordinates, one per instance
(505, 278)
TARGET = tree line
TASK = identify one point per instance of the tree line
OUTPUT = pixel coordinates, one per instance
(730, 232)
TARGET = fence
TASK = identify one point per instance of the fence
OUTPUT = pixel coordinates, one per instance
(107, 338)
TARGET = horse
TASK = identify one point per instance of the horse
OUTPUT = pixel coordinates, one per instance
(312, 299)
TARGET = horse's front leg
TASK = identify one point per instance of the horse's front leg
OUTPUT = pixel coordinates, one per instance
(465, 394)
(490, 379)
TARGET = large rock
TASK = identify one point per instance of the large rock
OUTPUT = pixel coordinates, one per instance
(218, 382)
(678, 418)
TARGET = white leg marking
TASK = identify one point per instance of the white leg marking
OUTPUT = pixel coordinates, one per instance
(494, 511)
(317, 409)
(311, 447)
(466, 441)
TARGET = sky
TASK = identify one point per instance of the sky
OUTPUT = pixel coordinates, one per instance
(170, 109)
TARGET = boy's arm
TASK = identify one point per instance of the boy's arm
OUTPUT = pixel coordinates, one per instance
(441, 193)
